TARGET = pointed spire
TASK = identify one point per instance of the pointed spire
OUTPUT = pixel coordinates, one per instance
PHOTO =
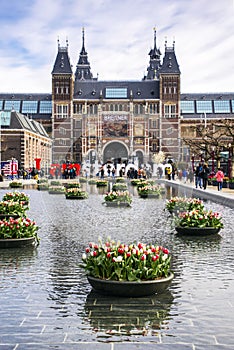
(154, 64)
(83, 41)
(154, 38)
(83, 69)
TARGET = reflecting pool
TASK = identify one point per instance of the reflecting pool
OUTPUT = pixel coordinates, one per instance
(47, 303)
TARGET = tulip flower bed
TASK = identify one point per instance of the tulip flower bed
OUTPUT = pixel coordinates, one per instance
(18, 228)
(126, 262)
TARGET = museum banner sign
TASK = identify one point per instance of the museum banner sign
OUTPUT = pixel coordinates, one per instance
(115, 125)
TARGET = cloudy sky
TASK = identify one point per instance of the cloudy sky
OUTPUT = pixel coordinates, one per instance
(118, 37)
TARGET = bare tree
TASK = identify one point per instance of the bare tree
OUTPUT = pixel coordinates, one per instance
(211, 140)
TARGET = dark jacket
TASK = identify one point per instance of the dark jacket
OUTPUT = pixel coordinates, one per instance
(205, 172)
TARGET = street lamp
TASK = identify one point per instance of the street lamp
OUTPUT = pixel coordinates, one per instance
(201, 156)
(12, 168)
(212, 154)
(193, 162)
(229, 160)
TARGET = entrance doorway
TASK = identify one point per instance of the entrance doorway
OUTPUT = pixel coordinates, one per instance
(115, 150)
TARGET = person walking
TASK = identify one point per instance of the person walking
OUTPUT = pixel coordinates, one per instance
(198, 175)
(184, 175)
(204, 175)
(219, 177)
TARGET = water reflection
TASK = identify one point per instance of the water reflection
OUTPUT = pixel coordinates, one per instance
(15, 258)
(126, 316)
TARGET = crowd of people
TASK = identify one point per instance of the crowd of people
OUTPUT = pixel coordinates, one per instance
(199, 175)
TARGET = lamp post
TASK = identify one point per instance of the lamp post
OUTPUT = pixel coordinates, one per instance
(12, 168)
(212, 154)
(229, 160)
(193, 162)
(201, 158)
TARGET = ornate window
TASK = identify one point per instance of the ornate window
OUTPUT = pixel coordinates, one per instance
(62, 111)
(170, 111)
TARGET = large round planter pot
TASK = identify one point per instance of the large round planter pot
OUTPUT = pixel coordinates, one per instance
(197, 231)
(128, 289)
(76, 197)
(16, 186)
(117, 204)
(42, 188)
(8, 216)
(17, 242)
(55, 192)
(150, 195)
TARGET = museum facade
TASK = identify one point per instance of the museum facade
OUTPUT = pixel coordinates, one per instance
(100, 121)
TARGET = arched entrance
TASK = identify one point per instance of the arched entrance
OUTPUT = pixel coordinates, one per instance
(140, 157)
(115, 150)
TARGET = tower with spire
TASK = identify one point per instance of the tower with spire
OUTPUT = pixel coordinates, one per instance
(154, 64)
(62, 96)
(83, 69)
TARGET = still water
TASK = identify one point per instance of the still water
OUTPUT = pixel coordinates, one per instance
(46, 299)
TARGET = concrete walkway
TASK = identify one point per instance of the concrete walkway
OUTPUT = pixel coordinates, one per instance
(224, 197)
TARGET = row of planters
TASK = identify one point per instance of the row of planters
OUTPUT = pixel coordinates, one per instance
(71, 190)
(227, 183)
(16, 229)
(190, 217)
(147, 188)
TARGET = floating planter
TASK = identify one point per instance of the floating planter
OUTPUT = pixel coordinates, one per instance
(19, 232)
(149, 191)
(75, 193)
(16, 184)
(119, 187)
(180, 204)
(101, 183)
(118, 199)
(12, 209)
(72, 185)
(42, 185)
(119, 179)
(198, 222)
(17, 196)
(82, 179)
(56, 190)
(92, 181)
(126, 269)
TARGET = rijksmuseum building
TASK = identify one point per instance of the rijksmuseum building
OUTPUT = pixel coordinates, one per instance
(90, 120)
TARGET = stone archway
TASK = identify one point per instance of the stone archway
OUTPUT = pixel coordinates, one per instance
(140, 157)
(115, 150)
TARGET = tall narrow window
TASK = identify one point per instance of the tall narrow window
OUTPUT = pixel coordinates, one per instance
(170, 111)
(62, 111)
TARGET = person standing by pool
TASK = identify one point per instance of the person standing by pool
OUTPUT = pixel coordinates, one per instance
(198, 175)
(204, 175)
(219, 177)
